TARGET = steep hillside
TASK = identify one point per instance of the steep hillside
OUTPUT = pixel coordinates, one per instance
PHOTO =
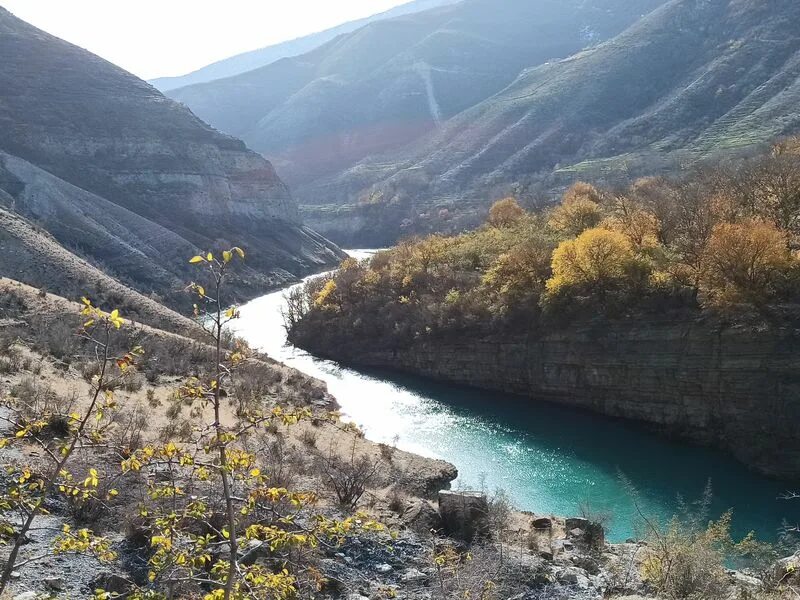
(130, 180)
(693, 78)
(392, 81)
(247, 61)
(33, 256)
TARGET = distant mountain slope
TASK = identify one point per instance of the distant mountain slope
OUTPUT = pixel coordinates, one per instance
(255, 59)
(693, 78)
(131, 180)
(394, 80)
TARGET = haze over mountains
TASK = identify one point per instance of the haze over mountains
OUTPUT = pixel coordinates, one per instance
(127, 182)
(254, 59)
(419, 122)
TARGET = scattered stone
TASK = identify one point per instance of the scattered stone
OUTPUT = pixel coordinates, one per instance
(26, 596)
(55, 583)
(383, 568)
(412, 576)
(547, 555)
(464, 514)
(15, 574)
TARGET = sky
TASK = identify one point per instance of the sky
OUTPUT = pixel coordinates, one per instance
(157, 38)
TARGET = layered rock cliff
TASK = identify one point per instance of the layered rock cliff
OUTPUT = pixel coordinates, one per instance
(737, 388)
(131, 180)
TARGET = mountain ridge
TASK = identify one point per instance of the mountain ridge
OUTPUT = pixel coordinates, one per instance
(254, 59)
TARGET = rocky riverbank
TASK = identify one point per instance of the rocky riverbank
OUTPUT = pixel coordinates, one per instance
(735, 388)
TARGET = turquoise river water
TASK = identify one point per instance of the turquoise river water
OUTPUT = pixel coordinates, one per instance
(548, 459)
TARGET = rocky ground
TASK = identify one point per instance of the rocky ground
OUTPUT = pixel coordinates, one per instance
(427, 555)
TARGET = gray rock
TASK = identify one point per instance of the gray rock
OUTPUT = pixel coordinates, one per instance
(421, 516)
(587, 563)
(413, 576)
(383, 568)
(55, 583)
(110, 582)
(574, 576)
(576, 522)
(26, 596)
(464, 514)
(577, 532)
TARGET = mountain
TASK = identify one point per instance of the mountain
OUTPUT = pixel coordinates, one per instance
(254, 59)
(392, 81)
(692, 79)
(129, 181)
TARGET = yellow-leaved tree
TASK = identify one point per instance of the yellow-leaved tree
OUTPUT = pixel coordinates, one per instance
(579, 210)
(595, 262)
(745, 260)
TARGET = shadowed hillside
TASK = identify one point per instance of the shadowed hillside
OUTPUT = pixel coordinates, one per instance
(131, 180)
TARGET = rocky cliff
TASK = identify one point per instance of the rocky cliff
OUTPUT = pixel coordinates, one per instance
(734, 388)
(133, 181)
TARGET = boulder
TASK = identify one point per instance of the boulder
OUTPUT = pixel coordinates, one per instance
(542, 523)
(465, 515)
(421, 516)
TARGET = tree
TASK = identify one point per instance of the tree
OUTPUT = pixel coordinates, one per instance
(519, 274)
(505, 213)
(631, 219)
(579, 210)
(595, 262)
(744, 261)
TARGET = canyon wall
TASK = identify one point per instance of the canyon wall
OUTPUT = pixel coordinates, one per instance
(734, 388)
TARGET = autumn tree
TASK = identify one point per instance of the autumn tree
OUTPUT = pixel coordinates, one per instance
(579, 210)
(517, 277)
(744, 261)
(596, 262)
(634, 221)
(505, 213)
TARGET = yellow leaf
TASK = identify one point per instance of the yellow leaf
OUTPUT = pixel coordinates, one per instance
(209, 257)
(239, 251)
(227, 255)
(196, 259)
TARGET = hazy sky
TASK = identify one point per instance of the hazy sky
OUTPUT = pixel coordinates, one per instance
(154, 38)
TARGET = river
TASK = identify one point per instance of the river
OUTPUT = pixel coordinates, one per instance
(548, 459)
